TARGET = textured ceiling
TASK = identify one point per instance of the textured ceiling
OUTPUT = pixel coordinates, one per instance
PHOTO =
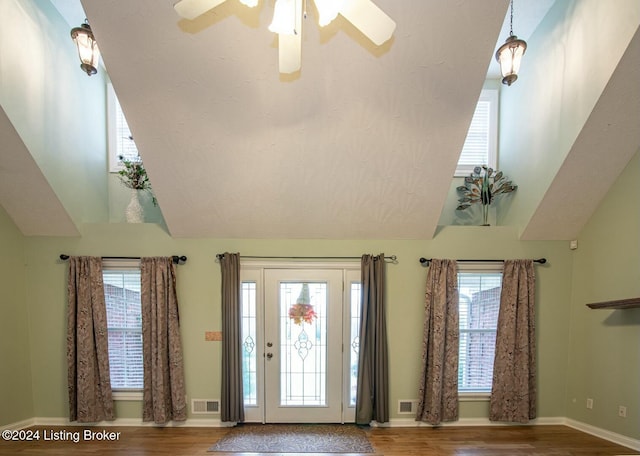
(362, 143)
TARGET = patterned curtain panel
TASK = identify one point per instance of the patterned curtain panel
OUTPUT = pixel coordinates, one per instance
(513, 393)
(438, 392)
(88, 375)
(372, 397)
(164, 391)
(231, 402)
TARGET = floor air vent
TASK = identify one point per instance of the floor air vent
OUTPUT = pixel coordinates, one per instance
(205, 406)
(407, 407)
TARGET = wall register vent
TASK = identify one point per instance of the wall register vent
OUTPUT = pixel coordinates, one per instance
(205, 406)
(407, 406)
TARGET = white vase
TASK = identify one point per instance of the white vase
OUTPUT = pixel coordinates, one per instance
(134, 212)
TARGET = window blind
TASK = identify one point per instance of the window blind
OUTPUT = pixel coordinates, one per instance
(479, 303)
(480, 145)
(121, 143)
(124, 325)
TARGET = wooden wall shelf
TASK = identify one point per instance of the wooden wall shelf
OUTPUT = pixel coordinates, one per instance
(619, 304)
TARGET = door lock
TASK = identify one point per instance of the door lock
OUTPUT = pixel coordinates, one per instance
(269, 344)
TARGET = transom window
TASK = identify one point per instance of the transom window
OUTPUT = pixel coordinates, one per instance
(480, 147)
(479, 289)
(121, 143)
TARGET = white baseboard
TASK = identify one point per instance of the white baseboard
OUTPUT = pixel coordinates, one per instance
(410, 422)
(620, 439)
(18, 425)
(205, 422)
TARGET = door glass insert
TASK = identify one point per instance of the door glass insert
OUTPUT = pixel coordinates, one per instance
(249, 349)
(354, 342)
(303, 343)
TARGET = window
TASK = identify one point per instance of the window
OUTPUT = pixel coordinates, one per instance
(480, 147)
(121, 142)
(479, 302)
(124, 324)
(249, 339)
(354, 337)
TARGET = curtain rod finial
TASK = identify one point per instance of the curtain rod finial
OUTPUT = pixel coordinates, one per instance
(179, 259)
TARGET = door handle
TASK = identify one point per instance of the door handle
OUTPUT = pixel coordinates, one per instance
(269, 344)
(269, 355)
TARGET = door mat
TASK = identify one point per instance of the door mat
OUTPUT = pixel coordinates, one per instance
(294, 438)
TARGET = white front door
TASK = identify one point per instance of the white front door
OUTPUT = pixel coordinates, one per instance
(300, 369)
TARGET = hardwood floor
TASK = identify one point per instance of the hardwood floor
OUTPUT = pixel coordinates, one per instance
(423, 441)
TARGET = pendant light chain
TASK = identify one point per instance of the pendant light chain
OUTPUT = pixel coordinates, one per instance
(511, 21)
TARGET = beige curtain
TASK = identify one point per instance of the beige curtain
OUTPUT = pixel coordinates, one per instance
(88, 374)
(438, 391)
(232, 400)
(513, 393)
(372, 397)
(164, 391)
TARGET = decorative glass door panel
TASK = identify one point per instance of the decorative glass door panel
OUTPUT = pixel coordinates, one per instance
(303, 346)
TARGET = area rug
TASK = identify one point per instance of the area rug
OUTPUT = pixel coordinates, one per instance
(294, 438)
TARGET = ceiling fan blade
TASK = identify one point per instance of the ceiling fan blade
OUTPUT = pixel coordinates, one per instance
(287, 23)
(328, 10)
(190, 9)
(369, 19)
(289, 52)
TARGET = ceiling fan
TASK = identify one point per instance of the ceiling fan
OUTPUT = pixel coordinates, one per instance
(374, 23)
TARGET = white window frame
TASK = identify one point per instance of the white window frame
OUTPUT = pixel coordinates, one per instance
(480, 268)
(114, 116)
(121, 394)
(489, 96)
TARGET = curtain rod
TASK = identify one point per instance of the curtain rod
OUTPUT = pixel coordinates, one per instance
(391, 258)
(426, 261)
(176, 259)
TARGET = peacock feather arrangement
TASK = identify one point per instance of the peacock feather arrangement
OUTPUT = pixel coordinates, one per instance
(483, 185)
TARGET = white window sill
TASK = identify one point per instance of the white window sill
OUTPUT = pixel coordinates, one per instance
(474, 397)
(127, 395)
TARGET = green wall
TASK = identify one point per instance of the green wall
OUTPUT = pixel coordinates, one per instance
(569, 60)
(581, 353)
(15, 381)
(604, 362)
(199, 294)
(58, 111)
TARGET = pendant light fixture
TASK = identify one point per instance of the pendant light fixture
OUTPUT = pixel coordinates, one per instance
(510, 54)
(87, 48)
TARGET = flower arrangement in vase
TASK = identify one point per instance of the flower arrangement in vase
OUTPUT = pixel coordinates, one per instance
(483, 186)
(134, 176)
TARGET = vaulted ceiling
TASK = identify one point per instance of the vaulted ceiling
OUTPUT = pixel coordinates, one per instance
(362, 143)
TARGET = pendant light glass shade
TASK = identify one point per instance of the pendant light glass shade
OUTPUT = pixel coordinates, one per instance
(284, 20)
(87, 48)
(509, 56)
